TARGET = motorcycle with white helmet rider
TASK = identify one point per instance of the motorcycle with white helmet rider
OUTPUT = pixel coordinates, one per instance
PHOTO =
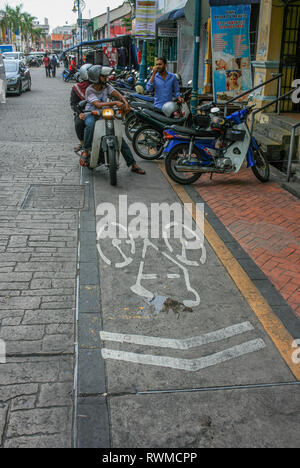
(104, 108)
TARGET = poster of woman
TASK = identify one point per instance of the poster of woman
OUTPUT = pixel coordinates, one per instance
(231, 51)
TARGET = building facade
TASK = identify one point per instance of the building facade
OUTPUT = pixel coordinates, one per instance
(100, 27)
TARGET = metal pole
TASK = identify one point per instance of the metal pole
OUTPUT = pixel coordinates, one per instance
(108, 22)
(279, 93)
(194, 100)
(291, 154)
(143, 66)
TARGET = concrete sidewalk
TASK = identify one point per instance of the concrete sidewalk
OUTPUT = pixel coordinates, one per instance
(231, 391)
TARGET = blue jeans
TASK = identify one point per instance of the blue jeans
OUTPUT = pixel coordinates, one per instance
(90, 121)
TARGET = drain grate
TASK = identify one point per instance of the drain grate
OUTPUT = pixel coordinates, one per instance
(54, 197)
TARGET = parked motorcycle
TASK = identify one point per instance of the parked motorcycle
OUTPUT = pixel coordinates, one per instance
(69, 76)
(222, 149)
(34, 62)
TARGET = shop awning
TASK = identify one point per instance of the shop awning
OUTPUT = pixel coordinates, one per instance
(231, 2)
(93, 43)
(171, 16)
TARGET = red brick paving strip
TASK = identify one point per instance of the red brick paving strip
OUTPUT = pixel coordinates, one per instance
(265, 220)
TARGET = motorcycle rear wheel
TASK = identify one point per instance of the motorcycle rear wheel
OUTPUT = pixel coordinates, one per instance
(261, 170)
(112, 166)
(131, 126)
(148, 143)
(173, 157)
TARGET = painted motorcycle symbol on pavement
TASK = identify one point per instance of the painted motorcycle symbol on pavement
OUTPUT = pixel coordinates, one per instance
(181, 260)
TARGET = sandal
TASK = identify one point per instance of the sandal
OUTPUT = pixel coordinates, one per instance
(138, 170)
(84, 159)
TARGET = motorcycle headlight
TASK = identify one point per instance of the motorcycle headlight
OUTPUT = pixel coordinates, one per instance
(108, 114)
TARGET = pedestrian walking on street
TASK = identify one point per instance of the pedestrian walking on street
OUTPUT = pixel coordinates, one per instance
(53, 65)
(47, 63)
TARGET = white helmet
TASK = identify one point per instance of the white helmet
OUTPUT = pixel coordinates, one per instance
(139, 89)
(169, 108)
(96, 71)
(83, 72)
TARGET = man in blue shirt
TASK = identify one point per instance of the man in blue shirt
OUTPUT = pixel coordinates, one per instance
(165, 84)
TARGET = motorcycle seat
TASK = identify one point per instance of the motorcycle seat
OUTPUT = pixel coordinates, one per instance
(162, 118)
(143, 104)
(143, 97)
(200, 133)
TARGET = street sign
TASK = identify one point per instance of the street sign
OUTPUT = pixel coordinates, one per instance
(167, 32)
(190, 11)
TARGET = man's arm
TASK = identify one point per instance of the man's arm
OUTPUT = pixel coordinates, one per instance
(100, 105)
(121, 98)
(150, 85)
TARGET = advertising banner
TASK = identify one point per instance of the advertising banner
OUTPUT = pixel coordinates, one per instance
(231, 51)
(146, 13)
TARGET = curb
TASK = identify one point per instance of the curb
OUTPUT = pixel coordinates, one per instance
(91, 422)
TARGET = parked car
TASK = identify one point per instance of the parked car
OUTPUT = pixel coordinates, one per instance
(18, 77)
(14, 56)
(3, 83)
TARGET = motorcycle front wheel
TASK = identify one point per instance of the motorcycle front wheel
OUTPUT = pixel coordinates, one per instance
(177, 155)
(261, 169)
(148, 143)
(112, 166)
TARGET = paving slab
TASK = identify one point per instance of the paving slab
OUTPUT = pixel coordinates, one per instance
(248, 418)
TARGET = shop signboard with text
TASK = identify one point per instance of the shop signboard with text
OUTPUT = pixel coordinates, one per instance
(146, 13)
(231, 51)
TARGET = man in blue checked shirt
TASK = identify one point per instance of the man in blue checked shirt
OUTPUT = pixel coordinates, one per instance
(165, 84)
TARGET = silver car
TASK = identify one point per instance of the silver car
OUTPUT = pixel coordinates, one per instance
(14, 56)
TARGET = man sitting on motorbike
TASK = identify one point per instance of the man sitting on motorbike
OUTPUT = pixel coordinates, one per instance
(78, 95)
(97, 98)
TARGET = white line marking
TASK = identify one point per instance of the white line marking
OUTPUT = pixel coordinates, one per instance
(184, 344)
(191, 365)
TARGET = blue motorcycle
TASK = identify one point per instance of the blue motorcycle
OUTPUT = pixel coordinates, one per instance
(221, 149)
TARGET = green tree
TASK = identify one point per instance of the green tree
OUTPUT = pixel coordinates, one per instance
(13, 20)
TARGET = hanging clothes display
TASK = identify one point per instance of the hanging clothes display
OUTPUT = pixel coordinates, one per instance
(111, 55)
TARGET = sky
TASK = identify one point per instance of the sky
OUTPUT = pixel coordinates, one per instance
(60, 11)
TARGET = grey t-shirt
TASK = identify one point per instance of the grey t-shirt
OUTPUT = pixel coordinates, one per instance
(92, 95)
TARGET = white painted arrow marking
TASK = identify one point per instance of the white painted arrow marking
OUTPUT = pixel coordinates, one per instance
(184, 344)
(191, 365)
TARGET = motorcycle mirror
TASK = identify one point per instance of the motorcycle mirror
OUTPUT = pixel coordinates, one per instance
(190, 83)
(215, 110)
